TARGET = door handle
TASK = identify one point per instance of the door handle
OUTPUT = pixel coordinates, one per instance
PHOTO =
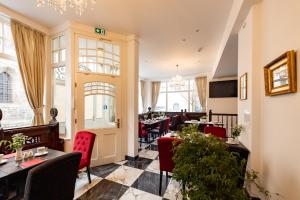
(118, 123)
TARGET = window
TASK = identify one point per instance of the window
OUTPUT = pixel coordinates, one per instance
(99, 56)
(175, 99)
(13, 101)
(5, 88)
(59, 81)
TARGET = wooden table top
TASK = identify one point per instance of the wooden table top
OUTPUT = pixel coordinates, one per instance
(12, 167)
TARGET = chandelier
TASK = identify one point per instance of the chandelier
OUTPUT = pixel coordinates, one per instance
(61, 5)
(177, 81)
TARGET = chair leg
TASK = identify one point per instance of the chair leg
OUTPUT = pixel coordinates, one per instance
(160, 181)
(88, 173)
(166, 178)
(140, 142)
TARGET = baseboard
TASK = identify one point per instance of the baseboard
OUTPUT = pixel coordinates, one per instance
(130, 158)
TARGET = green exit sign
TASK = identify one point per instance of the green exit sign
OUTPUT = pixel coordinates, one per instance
(100, 31)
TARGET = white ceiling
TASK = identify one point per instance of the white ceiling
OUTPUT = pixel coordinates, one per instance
(160, 24)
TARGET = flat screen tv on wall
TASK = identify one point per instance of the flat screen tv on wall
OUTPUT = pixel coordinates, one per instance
(223, 89)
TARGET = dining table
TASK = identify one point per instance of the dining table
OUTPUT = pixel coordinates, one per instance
(203, 122)
(153, 123)
(12, 169)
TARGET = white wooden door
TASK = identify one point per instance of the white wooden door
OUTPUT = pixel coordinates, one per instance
(98, 96)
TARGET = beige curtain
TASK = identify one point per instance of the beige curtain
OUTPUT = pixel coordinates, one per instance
(201, 83)
(30, 50)
(143, 95)
(155, 94)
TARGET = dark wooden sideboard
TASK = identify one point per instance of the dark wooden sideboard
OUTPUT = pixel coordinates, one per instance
(41, 135)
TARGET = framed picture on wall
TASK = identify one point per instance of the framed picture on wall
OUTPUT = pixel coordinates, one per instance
(280, 75)
(244, 87)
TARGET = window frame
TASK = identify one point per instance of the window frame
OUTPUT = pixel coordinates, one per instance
(189, 90)
(62, 82)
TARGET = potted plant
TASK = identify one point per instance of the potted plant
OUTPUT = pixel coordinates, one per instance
(207, 170)
(17, 143)
(236, 132)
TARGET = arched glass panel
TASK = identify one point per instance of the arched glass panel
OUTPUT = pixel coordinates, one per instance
(99, 105)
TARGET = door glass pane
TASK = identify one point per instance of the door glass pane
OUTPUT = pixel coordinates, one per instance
(99, 105)
(93, 53)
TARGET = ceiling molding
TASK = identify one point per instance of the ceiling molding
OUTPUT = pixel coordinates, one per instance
(15, 15)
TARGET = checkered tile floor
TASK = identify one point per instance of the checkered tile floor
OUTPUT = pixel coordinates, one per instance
(128, 180)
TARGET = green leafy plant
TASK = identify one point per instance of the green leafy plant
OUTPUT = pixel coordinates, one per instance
(18, 141)
(206, 169)
(4, 143)
(236, 131)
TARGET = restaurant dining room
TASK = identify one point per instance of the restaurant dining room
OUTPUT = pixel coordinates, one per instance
(149, 100)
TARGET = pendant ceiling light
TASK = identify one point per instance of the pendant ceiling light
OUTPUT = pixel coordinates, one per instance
(61, 5)
(177, 81)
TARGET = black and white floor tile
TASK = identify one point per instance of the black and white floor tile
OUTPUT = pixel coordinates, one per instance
(128, 180)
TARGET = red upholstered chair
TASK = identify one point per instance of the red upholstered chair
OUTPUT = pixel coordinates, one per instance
(84, 142)
(216, 131)
(175, 123)
(165, 154)
(168, 120)
(143, 133)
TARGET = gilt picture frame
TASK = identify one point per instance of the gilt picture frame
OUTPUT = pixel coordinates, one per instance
(244, 87)
(280, 75)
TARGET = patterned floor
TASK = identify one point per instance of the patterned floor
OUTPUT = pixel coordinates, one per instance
(128, 180)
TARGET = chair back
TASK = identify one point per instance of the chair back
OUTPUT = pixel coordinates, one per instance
(54, 179)
(216, 131)
(166, 153)
(162, 126)
(142, 131)
(168, 124)
(84, 142)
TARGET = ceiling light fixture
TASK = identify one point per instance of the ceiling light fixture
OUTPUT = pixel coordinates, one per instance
(177, 81)
(61, 5)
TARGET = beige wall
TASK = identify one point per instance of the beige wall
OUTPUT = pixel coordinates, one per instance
(222, 105)
(273, 135)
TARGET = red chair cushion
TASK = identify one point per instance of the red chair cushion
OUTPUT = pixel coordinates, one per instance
(216, 131)
(84, 142)
(142, 131)
(166, 152)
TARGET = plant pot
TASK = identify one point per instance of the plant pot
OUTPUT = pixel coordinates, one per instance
(233, 141)
(203, 120)
(19, 154)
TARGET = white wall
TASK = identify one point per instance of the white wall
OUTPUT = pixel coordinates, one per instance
(271, 29)
(148, 94)
(221, 105)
